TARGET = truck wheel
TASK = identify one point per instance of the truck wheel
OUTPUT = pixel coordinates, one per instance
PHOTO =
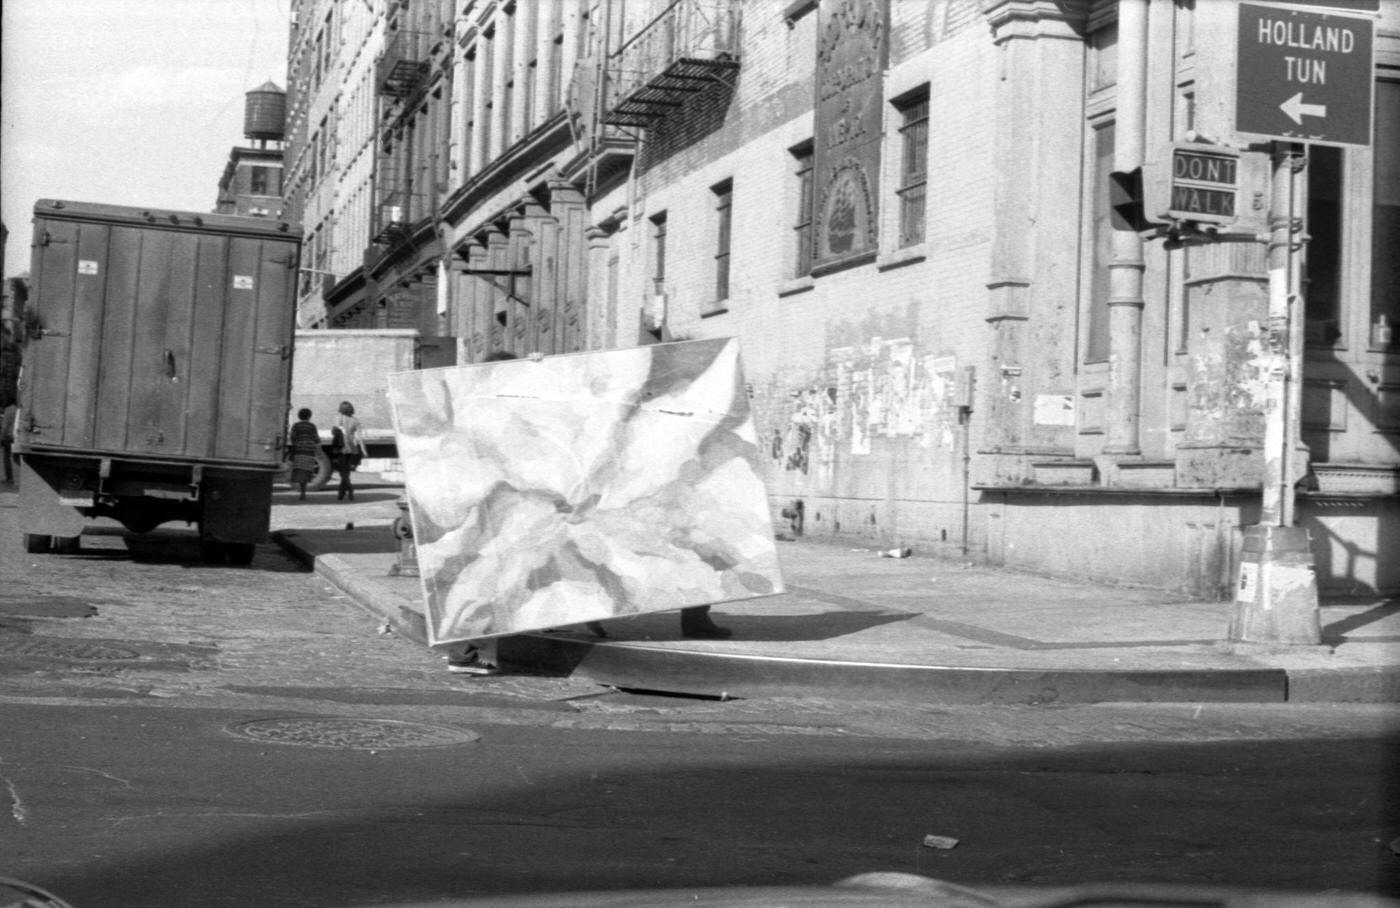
(36, 543)
(324, 471)
(140, 522)
(68, 545)
(239, 552)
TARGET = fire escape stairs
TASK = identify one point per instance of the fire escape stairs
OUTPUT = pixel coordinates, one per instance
(666, 91)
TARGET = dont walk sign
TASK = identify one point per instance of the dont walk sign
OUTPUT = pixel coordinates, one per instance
(1304, 76)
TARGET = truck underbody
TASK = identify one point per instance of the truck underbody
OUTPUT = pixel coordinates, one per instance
(60, 492)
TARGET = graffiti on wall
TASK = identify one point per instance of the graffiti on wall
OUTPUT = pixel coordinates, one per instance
(883, 389)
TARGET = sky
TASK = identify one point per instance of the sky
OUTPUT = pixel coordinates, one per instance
(128, 102)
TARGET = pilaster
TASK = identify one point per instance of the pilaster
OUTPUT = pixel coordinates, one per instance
(1039, 127)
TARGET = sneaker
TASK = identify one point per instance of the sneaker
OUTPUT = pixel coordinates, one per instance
(469, 663)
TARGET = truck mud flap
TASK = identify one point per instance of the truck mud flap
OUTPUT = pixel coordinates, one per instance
(45, 507)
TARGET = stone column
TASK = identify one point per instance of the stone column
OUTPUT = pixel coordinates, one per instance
(1031, 294)
(600, 337)
(572, 12)
(546, 27)
(575, 303)
(519, 240)
(1125, 271)
(481, 98)
(476, 306)
(522, 47)
(544, 282)
(500, 74)
(500, 308)
(460, 112)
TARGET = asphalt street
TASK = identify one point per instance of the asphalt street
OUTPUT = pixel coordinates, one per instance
(182, 733)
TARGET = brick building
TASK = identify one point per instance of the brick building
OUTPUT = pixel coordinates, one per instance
(903, 211)
(251, 184)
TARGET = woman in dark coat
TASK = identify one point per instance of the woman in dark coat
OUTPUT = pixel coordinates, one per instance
(305, 441)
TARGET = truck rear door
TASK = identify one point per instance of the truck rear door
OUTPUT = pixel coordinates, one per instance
(162, 335)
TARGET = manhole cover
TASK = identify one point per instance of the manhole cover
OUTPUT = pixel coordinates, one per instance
(362, 734)
(54, 648)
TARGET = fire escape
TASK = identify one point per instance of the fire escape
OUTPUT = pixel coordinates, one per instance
(692, 46)
(400, 74)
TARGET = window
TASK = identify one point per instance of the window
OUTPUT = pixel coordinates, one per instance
(658, 260)
(724, 202)
(313, 156)
(1322, 273)
(556, 62)
(323, 145)
(913, 172)
(802, 229)
(488, 51)
(468, 65)
(1385, 220)
(325, 41)
(258, 181)
(1101, 231)
(308, 253)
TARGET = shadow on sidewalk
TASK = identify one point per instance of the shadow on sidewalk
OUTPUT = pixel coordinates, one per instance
(366, 540)
(750, 628)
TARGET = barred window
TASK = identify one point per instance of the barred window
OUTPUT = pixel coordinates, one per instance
(913, 175)
(724, 206)
(802, 230)
(658, 235)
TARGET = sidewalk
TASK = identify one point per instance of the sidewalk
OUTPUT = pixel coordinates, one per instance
(857, 625)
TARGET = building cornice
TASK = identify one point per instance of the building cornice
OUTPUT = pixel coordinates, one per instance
(1025, 19)
(524, 158)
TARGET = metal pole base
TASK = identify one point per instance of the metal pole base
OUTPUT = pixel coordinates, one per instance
(407, 565)
(1276, 592)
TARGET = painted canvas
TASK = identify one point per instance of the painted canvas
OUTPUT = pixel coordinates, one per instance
(583, 487)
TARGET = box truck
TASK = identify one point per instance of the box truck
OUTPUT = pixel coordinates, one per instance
(156, 373)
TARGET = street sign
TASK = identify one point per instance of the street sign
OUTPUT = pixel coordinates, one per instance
(1360, 6)
(1304, 76)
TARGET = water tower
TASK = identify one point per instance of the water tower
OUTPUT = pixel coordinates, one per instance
(265, 114)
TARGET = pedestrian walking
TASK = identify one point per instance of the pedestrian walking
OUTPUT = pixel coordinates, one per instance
(348, 448)
(305, 442)
(7, 439)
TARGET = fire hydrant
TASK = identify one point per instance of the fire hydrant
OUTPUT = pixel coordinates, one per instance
(407, 565)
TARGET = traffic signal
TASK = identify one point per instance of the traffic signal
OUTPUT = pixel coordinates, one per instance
(1125, 200)
(1212, 187)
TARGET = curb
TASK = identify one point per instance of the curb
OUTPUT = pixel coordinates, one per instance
(405, 622)
(736, 676)
(719, 675)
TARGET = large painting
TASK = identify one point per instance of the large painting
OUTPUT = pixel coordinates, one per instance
(583, 487)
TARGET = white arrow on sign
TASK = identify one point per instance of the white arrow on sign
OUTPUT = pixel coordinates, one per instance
(1297, 110)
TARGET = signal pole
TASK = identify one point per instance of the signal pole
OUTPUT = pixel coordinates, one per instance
(1276, 593)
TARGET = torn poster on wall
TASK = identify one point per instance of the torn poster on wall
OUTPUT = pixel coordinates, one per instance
(583, 487)
(882, 389)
